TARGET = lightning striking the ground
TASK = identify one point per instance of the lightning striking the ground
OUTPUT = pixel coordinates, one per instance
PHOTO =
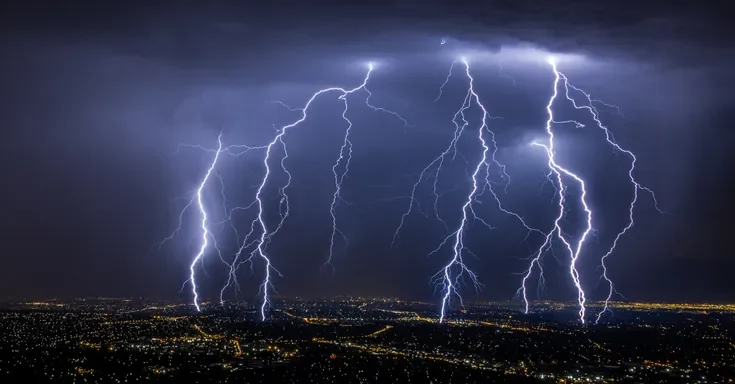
(485, 175)
(636, 186)
(448, 278)
(452, 273)
(205, 230)
(206, 235)
(560, 173)
(343, 162)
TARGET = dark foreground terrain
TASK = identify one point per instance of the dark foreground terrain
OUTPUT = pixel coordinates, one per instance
(362, 341)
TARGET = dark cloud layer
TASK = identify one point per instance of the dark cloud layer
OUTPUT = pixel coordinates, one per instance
(97, 97)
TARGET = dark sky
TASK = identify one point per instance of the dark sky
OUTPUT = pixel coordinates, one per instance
(95, 100)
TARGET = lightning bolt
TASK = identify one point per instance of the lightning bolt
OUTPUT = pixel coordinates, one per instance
(205, 232)
(449, 277)
(595, 114)
(207, 235)
(436, 164)
(345, 155)
(448, 283)
(574, 250)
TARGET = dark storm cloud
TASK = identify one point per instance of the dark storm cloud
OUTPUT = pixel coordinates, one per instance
(97, 97)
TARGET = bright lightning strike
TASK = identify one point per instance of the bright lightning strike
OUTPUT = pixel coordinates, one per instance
(345, 155)
(574, 250)
(205, 230)
(448, 282)
(432, 170)
(590, 107)
(436, 164)
(206, 234)
(449, 277)
(560, 173)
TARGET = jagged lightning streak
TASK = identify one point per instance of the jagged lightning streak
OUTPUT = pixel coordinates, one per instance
(447, 282)
(590, 107)
(595, 114)
(559, 171)
(235, 150)
(444, 279)
(437, 163)
(345, 155)
(259, 221)
(345, 152)
(205, 229)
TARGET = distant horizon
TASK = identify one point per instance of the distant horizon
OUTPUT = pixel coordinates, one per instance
(337, 297)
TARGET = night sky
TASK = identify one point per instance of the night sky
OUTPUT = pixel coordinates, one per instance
(96, 99)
